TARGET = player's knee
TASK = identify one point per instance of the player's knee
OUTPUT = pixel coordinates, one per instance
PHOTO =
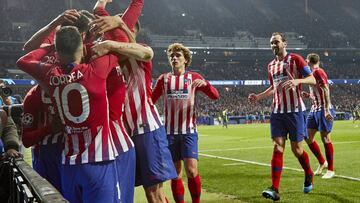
(325, 137)
(297, 150)
(152, 191)
(309, 140)
(278, 148)
(192, 171)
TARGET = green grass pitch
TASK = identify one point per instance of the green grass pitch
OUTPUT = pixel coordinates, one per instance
(234, 166)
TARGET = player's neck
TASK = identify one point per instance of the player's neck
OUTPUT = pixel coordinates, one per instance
(179, 71)
(281, 56)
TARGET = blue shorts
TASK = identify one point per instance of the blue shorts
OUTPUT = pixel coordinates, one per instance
(316, 120)
(47, 162)
(91, 182)
(293, 124)
(125, 166)
(183, 146)
(153, 159)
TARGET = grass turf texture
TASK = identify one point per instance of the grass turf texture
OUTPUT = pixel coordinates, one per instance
(235, 181)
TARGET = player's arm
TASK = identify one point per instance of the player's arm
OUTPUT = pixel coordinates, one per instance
(103, 65)
(257, 97)
(29, 63)
(39, 38)
(130, 17)
(204, 86)
(304, 70)
(32, 132)
(134, 50)
(158, 89)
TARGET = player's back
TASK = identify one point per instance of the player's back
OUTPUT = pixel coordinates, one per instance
(81, 100)
(79, 92)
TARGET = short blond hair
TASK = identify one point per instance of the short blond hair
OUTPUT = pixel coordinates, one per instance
(177, 47)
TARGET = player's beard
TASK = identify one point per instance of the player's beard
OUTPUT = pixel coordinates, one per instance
(276, 51)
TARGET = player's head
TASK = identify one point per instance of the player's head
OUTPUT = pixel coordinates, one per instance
(82, 23)
(179, 56)
(278, 43)
(68, 43)
(313, 59)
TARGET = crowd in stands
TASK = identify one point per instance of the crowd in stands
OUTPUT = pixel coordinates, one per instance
(322, 23)
(319, 24)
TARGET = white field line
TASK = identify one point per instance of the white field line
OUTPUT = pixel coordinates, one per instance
(268, 165)
(234, 164)
(264, 147)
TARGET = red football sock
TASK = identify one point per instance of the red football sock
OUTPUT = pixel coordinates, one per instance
(178, 190)
(316, 151)
(329, 152)
(276, 168)
(305, 163)
(194, 185)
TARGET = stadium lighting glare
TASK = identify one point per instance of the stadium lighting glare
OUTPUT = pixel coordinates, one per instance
(183, 14)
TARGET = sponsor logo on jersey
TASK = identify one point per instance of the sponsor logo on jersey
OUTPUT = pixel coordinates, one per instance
(178, 94)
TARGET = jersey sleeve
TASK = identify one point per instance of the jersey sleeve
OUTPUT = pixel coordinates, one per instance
(302, 66)
(132, 13)
(158, 89)
(114, 34)
(32, 131)
(208, 89)
(102, 66)
(50, 38)
(31, 63)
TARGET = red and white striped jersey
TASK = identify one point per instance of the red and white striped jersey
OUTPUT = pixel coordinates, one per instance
(141, 114)
(317, 94)
(79, 92)
(293, 66)
(179, 100)
(116, 90)
(36, 126)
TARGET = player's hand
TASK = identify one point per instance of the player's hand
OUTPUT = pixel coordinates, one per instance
(290, 84)
(305, 94)
(198, 83)
(69, 16)
(253, 98)
(103, 24)
(13, 153)
(100, 49)
(328, 115)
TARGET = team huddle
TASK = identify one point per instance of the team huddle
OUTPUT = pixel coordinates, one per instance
(92, 123)
(95, 132)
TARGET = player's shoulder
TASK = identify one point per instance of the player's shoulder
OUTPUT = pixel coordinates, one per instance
(36, 90)
(33, 94)
(194, 74)
(271, 63)
(320, 72)
(296, 57)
